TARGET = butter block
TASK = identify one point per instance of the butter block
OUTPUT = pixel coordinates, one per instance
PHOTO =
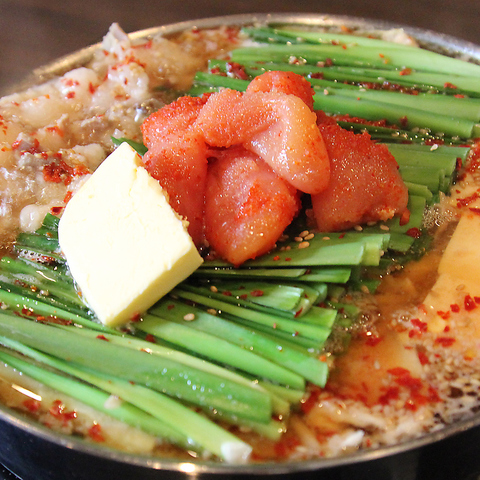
(125, 246)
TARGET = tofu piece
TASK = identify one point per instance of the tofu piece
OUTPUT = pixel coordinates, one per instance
(462, 255)
(458, 274)
(125, 246)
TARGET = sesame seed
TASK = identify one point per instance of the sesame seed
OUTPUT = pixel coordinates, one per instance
(189, 317)
(304, 245)
(384, 227)
(358, 228)
(364, 289)
(214, 289)
(309, 236)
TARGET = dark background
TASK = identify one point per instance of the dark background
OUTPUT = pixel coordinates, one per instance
(33, 32)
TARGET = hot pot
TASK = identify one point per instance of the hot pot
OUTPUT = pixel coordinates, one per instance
(34, 452)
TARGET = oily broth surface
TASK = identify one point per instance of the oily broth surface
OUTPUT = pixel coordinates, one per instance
(52, 136)
(367, 401)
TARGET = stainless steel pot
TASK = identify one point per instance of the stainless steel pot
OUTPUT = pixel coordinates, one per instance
(36, 453)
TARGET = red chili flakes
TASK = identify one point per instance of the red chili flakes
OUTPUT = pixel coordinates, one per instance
(56, 210)
(307, 404)
(136, 317)
(70, 82)
(455, 308)
(287, 444)
(463, 202)
(130, 59)
(95, 433)
(217, 71)
(392, 393)
(256, 293)
(32, 405)
(244, 296)
(416, 387)
(70, 95)
(433, 396)
(276, 258)
(373, 340)
(227, 293)
(469, 303)
(16, 144)
(236, 70)
(444, 315)
(288, 259)
(419, 327)
(68, 196)
(232, 33)
(148, 45)
(458, 163)
(475, 210)
(414, 232)
(423, 358)
(59, 172)
(27, 147)
(103, 337)
(150, 338)
(398, 371)
(405, 217)
(404, 122)
(450, 85)
(406, 71)
(55, 129)
(57, 410)
(445, 341)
